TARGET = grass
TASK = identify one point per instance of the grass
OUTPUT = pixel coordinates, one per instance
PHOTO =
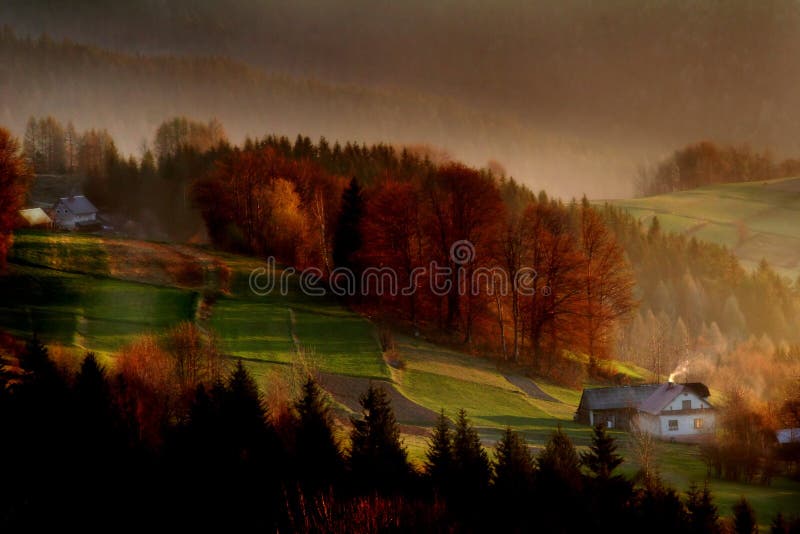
(756, 219)
(99, 312)
(680, 466)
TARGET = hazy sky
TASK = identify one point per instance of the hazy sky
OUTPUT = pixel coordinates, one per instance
(596, 88)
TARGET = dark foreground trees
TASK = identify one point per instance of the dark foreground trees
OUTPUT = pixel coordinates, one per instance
(215, 458)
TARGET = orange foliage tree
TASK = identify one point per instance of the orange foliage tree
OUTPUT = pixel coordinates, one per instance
(14, 179)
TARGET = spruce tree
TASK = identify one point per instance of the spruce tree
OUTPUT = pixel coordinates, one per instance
(703, 514)
(514, 467)
(601, 459)
(348, 238)
(471, 465)
(439, 456)
(744, 518)
(559, 460)
(319, 460)
(377, 456)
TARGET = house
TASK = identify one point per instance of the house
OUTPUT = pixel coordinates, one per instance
(670, 410)
(74, 212)
(788, 435)
(35, 218)
(614, 407)
(677, 411)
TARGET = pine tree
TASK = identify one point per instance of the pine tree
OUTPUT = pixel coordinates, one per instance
(558, 485)
(703, 514)
(243, 415)
(744, 518)
(439, 456)
(559, 459)
(348, 238)
(319, 460)
(471, 465)
(377, 456)
(514, 467)
(601, 459)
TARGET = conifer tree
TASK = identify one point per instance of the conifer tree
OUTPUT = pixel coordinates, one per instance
(514, 467)
(703, 514)
(439, 456)
(601, 459)
(348, 238)
(318, 458)
(744, 517)
(377, 456)
(471, 466)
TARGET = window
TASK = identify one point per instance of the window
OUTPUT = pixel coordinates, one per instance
(686, 405)
(698, 423)
(673, 425)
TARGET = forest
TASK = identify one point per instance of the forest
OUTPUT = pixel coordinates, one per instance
(616, 289)
(605, 286)
(174, 436)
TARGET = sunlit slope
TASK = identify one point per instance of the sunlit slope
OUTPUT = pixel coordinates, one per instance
(755, 219)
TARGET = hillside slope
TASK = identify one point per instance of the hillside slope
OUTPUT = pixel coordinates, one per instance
(755, 219)
(90, 293)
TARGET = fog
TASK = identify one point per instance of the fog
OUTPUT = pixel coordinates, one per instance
(569, 96)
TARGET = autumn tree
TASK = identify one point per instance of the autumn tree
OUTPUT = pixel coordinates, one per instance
(463, 207)
(607, 283)
(180, 132)
(553, 289)
(393, 238)
(14, 180)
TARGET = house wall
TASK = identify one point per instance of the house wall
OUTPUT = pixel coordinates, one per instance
(66, 219)
(696, 401)
(648, 423)
(686, 424)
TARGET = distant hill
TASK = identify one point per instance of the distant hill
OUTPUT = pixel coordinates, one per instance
(130, 95)
(755, 219)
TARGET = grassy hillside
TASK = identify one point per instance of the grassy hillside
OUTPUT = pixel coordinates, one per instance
(98, 294)
(756, 219)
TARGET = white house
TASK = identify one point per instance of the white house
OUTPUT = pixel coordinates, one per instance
(70, 213)
(670, 411)
(677, 411)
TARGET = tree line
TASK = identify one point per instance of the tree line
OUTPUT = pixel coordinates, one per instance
(708, 163)
(169, 435)
(271, 198)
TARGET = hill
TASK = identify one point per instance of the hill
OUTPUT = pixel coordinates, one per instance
(756, 220)
(91, 293)
(130, 94)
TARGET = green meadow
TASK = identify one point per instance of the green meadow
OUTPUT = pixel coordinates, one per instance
(68, 289)
(754, 219)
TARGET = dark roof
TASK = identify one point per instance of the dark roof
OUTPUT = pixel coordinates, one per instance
(616, 397)
(667, 393)
(79, 205)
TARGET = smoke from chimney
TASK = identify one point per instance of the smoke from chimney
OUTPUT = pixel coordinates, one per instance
(682, 369)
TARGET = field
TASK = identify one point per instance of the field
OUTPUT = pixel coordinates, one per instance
(755, 220)
(98, 294)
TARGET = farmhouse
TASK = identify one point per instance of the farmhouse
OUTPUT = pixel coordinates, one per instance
(74, 212)
(677, 411)
(669, 411)
(35, 218)
(614, 407)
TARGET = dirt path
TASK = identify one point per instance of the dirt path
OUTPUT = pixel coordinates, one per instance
(530, 388)
(347, 389)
